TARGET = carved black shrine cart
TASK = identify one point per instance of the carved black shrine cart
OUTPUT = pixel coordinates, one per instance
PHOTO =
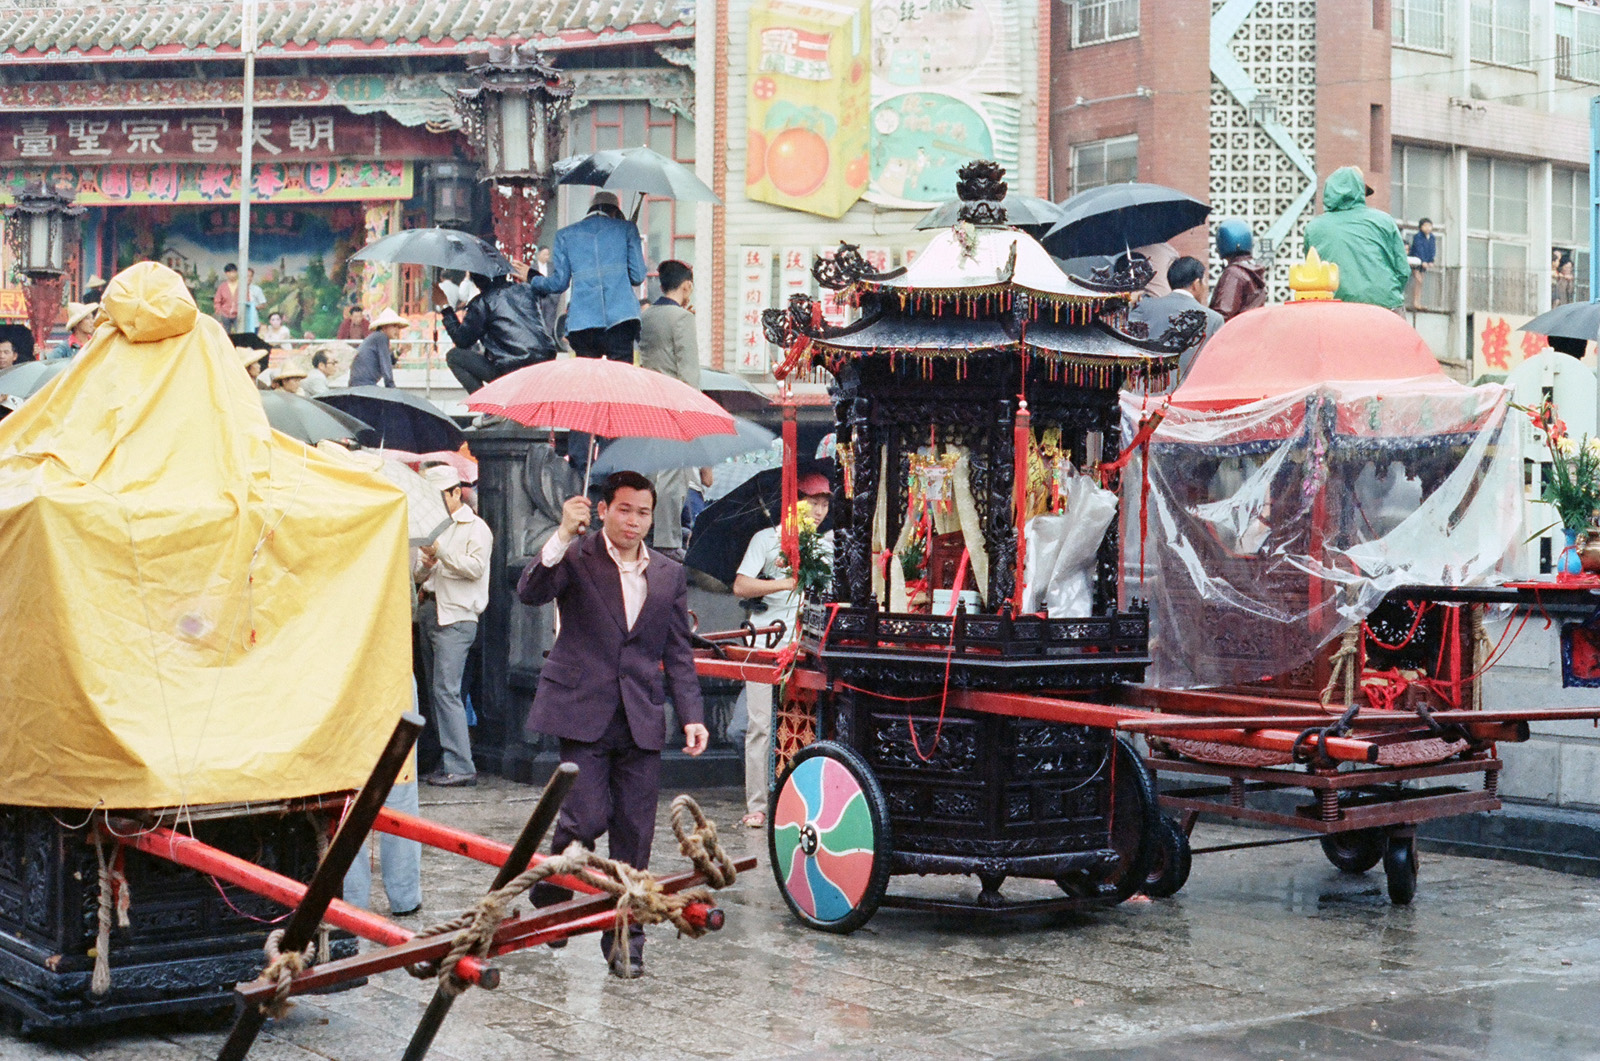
(981, 359)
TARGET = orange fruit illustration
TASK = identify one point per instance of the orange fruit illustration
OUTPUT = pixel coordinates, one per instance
(797, 162)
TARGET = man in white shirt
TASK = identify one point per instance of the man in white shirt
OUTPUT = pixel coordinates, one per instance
(455, 572)
(320, 378)
(764, 572)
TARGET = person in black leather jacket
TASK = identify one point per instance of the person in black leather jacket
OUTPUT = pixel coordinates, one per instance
(504, 325)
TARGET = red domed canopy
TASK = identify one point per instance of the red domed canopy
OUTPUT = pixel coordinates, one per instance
(1278, 349)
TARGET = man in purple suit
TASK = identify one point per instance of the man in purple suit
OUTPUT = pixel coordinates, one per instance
(623, 646)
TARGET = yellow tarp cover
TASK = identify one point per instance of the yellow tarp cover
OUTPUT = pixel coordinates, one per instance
(194, 608)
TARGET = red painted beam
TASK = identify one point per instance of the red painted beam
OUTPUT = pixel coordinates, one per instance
(193, 854)
(1107, 716)
(460, 842)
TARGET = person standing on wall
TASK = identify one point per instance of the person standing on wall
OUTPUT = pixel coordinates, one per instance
(225, 301)
(623, 648)
(601, 259)
(455, 573)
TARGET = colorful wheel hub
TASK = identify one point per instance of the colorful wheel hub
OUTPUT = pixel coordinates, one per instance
(823, 839)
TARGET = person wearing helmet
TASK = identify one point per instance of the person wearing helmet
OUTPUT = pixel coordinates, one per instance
(1243, 283)
(1362, 240)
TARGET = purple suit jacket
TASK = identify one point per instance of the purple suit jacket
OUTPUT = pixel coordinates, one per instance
(597, 661)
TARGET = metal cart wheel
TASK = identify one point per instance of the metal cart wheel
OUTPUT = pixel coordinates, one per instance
(1356, 851)
(1400, 868)
(1135, 825)
(1170, 861)
(829, 838)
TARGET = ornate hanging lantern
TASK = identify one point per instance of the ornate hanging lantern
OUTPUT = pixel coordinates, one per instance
(512, 116)
(38, 236)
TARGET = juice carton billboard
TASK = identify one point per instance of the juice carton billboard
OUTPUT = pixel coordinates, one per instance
(810, 90)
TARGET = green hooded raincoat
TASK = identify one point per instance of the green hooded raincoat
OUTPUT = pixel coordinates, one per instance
(1363, 240)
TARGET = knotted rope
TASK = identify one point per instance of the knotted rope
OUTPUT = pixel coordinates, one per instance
(1345, 667)
(113, 896)
(637, 892)
(282, 968)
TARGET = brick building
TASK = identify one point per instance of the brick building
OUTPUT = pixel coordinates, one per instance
(1247, 104)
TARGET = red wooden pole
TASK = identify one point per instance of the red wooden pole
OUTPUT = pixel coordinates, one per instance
(193, 854)
(1022, 441)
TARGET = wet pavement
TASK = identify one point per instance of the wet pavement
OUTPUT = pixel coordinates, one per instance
(1267, 953)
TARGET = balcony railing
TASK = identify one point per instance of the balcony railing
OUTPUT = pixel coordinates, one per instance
(1512, 291)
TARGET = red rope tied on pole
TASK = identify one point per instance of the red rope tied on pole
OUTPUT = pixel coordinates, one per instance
(1022, 438)
(790, 534)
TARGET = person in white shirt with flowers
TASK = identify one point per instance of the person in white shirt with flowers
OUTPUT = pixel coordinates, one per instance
(764, 572)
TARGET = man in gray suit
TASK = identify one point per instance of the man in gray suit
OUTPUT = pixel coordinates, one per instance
(667, 345)
(1188, 279)
(623, 646)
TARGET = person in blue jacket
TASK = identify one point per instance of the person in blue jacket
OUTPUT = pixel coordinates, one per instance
(601, 258)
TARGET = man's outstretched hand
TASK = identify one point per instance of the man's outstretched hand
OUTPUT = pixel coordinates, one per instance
(695, 738)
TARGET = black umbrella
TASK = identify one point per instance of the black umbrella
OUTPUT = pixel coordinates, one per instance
(1027, 212)
(311, 421)
(399, 420)
(1117, 217)
(650, 455)
(724, 529)
(442, 248)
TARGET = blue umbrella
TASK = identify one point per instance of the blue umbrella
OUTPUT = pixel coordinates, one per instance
(647, 455)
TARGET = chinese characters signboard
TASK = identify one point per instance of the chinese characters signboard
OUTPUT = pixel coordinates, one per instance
(755, 295)
(151, 136)
(123, 184)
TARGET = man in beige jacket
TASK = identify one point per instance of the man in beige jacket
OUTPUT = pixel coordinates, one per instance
(667, 345)
(454, 569)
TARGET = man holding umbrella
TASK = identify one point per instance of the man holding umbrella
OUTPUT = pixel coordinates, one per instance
(503, 319)
(623, 647)
(601, 258)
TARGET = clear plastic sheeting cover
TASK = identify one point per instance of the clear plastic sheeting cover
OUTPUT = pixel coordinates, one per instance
(1274, 526)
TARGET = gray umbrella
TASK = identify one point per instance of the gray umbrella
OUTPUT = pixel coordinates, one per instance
(731, 391)
(647, 455)
(1575, 320)
(442, 248)
(635, 169)
(311, 421)
(23, 380)
(1027, 212)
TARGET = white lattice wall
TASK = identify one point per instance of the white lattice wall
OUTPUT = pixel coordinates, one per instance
(1252, 175)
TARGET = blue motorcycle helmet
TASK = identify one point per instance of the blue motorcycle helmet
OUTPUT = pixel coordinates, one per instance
(1234, 237)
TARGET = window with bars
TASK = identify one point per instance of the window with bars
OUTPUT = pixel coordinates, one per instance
(1098, 162)
(1502, 32)
(1421, 24)
(1578, 43)
(1098, 21)
(667, 228)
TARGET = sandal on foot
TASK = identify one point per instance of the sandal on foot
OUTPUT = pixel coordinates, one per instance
(755, 820)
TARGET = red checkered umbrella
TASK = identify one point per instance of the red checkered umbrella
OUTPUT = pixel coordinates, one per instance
(610, 399)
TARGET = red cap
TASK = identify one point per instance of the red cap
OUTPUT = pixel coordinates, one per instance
(814, 484)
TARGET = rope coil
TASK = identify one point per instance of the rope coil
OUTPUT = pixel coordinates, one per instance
(637, 892)
(282, 968)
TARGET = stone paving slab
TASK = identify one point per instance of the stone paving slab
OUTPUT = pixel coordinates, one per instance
(1268, 953)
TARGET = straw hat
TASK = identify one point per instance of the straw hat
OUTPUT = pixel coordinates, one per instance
(249, 356)
(386, 318)
(78, 311)
(604, 199)
(288, 370)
